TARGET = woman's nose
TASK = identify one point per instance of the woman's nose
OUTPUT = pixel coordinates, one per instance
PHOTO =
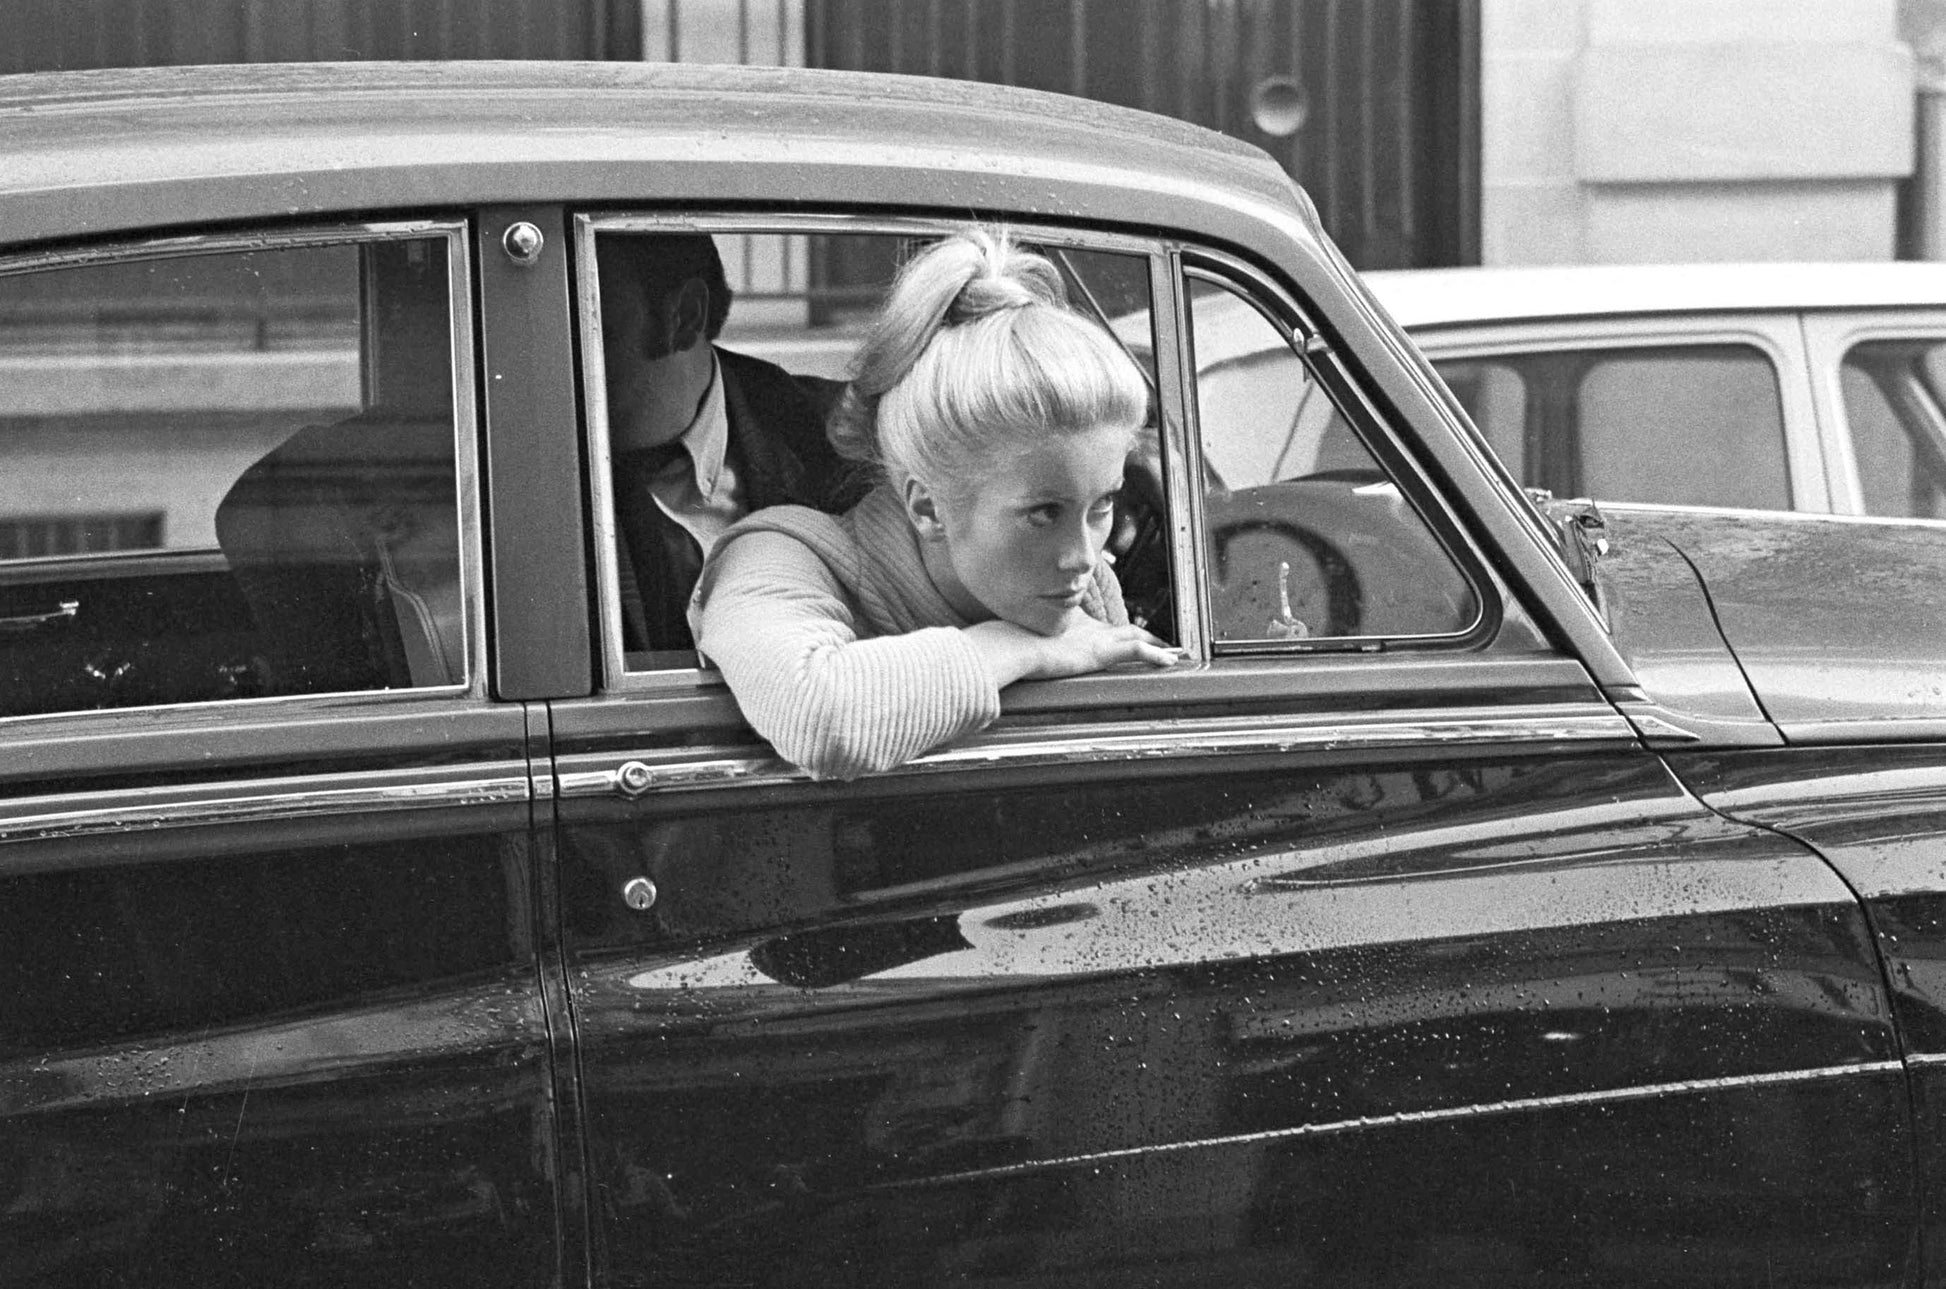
(1080, 551)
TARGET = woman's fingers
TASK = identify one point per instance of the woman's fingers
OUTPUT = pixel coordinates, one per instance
(1137, 645)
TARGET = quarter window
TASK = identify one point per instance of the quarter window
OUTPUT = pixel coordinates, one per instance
(228, 475)
(1307, 535)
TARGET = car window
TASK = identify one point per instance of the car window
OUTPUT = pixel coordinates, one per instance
(799, 305)
(1307, 535)
(1891, 391)
(1699, 425)
(228, 475)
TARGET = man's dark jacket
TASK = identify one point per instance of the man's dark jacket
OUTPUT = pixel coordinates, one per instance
(778, 448)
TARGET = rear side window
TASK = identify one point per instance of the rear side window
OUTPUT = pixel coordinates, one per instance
(229, 475)
(1695, 425)
(1891, 392)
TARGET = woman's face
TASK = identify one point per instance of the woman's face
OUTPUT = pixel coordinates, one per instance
(1021, 543)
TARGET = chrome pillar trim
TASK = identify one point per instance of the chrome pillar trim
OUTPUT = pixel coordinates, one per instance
(469, 484)
(51, 818)
(1536, 725)
(1405, 1118)
(1182, 458)
(594, 403)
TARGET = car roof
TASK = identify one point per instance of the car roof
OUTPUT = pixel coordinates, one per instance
(1421, 298)
(97, 151)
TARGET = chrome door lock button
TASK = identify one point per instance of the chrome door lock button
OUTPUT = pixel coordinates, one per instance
(632, 779)
(639, 893)
(523, 242)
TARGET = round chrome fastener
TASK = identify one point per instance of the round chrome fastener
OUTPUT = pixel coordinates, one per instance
(639, 894)
(522, 242)
(632, 779)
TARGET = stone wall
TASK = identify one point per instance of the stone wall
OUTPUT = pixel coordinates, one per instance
(1629, 131)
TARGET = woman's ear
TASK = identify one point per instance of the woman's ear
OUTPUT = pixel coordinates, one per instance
(922, 511)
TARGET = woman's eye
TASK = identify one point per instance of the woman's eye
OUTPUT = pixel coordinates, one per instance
(1042, 516)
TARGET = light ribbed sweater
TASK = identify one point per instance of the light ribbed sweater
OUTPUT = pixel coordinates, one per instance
(837, 645)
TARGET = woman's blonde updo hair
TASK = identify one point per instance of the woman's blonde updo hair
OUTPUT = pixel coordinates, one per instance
(975, 356)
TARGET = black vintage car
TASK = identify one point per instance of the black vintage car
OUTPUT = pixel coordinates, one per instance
(1499, 894)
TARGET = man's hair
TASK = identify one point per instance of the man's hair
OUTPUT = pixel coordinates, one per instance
(651, 266)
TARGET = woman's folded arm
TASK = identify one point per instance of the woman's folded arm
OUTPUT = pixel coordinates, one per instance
(784, 632)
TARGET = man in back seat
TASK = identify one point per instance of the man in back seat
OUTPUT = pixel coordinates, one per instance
(699, 435)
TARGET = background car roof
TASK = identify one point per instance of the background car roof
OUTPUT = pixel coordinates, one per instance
(1445, 297)
(98, 151)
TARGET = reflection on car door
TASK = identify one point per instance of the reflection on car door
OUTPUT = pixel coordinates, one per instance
(1464, 1014)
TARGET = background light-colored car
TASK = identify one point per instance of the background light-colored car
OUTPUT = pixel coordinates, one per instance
(1813, 387)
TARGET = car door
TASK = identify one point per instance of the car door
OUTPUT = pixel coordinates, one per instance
(269, 1009)
(1683, 409)
(1880, 386)
(1879, 814)
(1370, 946)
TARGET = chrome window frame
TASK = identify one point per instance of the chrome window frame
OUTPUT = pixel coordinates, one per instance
(463, 355)
(1286, 313)
(616, 677)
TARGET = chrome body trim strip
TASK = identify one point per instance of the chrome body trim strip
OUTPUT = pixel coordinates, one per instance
(747, 766)
(1406, 1118)
(52, 818)
(1771, 516)
(1928, 1059)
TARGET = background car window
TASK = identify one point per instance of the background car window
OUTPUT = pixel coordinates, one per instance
(1695, 425)
(1494, 394)
(1891, 391)
(227, 476)
(1307, 535)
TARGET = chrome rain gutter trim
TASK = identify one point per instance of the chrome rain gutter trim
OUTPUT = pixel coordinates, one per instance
(144, 809)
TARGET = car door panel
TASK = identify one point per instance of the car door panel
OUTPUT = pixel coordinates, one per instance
(278, 1023)
(1374, 1018)
(1878, 814)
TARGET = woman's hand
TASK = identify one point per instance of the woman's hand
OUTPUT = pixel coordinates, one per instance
(1014, 653)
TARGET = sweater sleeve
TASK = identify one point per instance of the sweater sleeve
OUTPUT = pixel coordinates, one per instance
(780, 626)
